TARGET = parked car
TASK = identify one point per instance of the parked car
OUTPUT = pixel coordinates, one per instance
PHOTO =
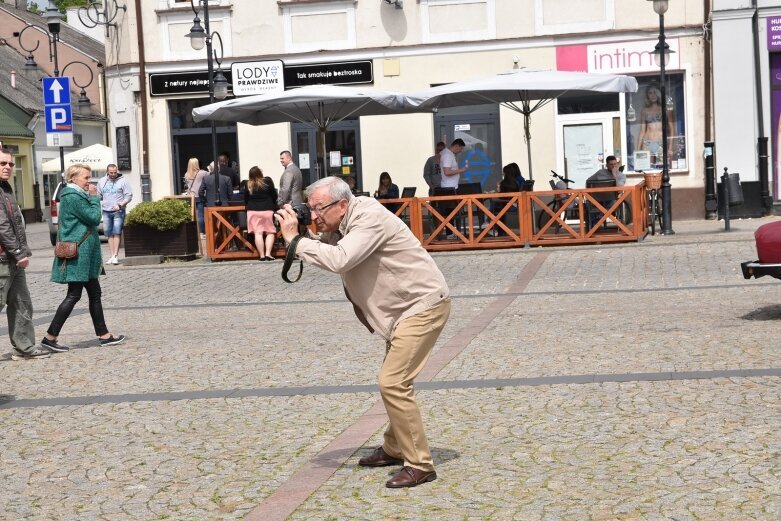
(54, 208)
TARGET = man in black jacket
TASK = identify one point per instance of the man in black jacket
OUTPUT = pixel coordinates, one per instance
(14, 258)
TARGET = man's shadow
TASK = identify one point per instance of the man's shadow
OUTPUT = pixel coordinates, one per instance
(766, 313)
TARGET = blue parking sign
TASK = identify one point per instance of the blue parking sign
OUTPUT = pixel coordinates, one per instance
(58, 118)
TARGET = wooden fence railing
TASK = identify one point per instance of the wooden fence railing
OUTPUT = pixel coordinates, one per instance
(462, 222)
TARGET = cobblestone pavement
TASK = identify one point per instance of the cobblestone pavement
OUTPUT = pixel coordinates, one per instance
(231, 381)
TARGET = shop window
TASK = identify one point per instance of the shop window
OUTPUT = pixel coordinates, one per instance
(319, 25)
(644, 124)
(457, 20)
(181, 112)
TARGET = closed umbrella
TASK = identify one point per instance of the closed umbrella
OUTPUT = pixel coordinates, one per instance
(522, 90)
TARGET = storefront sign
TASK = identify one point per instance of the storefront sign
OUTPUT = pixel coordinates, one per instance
(615, 58)
(251, 78)
(342, 73)
(173, 83)
(774, 33)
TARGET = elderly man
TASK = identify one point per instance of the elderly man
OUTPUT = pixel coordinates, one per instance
(397, 292)
(14, 258)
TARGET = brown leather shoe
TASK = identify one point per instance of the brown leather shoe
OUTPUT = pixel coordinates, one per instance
(379, 458)
(410, 477)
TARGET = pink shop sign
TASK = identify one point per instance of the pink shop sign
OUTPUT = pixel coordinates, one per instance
(615, 57)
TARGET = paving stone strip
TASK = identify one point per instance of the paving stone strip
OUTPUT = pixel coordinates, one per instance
(292, 493)
(8, 402)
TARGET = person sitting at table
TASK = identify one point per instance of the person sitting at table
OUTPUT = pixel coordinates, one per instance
(350, 180)
(611, 172)
(509, 184)
(387, 190)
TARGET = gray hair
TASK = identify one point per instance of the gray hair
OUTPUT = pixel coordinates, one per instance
(337, 188)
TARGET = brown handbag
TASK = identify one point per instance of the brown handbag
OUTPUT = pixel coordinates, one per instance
(69, 249)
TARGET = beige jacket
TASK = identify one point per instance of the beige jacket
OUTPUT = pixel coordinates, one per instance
(386, 273)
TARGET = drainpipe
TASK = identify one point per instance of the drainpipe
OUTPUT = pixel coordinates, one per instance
(764, 183)
(104, 109)
(146, 182)
(711, 204)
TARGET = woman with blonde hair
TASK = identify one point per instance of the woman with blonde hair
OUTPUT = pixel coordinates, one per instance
(260, 200)
(79, 217)
(192, 183)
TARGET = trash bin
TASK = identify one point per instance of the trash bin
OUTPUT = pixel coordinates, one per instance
(735, 190)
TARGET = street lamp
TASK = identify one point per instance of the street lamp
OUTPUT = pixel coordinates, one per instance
(218, 85)
(662, 58)
(100, 13)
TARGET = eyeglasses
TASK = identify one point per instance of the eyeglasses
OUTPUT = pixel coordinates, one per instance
(319, 211)
(9, 163)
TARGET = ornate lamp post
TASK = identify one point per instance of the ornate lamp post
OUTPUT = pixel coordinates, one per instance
(218, 85)
(662, 57)
(53, 19)
(96, 13)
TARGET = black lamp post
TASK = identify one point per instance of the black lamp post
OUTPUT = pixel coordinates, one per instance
(53, 19)
(662, 57)
(218, 84)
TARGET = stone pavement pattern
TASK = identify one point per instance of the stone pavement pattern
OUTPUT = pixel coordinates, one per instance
(707, 448)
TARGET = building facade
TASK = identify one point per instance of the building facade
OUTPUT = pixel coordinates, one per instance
(747, 96)
(155, 79)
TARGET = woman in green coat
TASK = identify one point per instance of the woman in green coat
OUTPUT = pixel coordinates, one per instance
(79, 217)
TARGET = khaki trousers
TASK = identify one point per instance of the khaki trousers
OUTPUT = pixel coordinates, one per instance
(406, 354)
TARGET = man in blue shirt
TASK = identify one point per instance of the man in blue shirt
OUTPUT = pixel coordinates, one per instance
(115, 195)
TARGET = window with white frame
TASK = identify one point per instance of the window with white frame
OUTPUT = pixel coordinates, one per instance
(573, 16)
(315, 26)
(457, 20)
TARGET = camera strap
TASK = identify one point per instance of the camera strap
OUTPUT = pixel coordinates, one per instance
(290, 256)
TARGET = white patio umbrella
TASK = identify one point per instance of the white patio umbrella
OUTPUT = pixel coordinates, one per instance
(97, 156)
(319, 106)
(521, 90)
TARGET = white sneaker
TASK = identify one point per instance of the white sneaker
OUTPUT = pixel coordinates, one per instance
(109, 260)
(114, 260)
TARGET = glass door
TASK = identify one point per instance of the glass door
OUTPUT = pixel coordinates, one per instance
(342, 146)
(480, 132)
(586, 140)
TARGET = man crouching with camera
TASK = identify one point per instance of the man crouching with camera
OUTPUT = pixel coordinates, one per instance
(397, 292)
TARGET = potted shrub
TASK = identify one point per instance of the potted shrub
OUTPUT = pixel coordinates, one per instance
(164, 227)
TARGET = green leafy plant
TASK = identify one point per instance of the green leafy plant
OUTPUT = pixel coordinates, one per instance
(163, 215)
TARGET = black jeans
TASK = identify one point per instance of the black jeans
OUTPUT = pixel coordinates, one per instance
(73, 296)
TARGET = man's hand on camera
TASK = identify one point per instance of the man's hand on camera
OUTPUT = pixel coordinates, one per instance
(288, 222)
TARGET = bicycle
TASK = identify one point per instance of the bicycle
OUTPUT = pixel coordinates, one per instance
(653, 183)
(556, 204)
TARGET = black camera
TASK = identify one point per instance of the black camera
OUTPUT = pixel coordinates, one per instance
(303, 214)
